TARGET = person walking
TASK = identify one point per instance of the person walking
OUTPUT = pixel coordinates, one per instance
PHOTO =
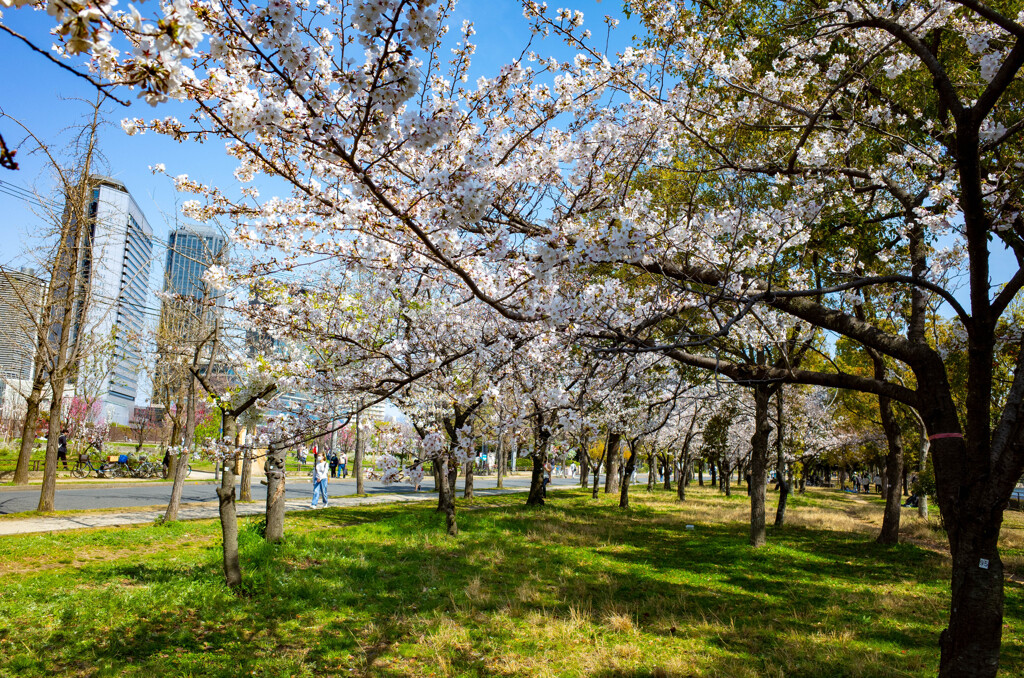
(320, 470)
(344, 464)
(62, 448)
(333, 458)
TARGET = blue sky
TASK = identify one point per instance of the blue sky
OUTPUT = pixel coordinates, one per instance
(43, 97)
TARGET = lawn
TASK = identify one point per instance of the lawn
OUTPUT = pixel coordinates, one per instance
(577, 588)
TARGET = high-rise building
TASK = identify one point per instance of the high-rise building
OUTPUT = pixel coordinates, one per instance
(116, 264)
(190, 253)
(21, 294)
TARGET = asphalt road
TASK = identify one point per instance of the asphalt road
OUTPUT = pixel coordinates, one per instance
(85, 498)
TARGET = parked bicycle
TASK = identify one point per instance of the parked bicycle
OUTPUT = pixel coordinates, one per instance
(85, 467)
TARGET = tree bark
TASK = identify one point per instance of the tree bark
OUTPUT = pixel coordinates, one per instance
(28, 431)
(684, 474)
(174, 504)
(467, 492)
(759, 466)
(667, 470)
(500, 465)
(626, 473)
(446, 497)
(274, 469)
(890, 533)
(611, 454)
(245, 492)
(358, 462)
(584, 468)
(229, 525)
(650, 472)
(49, 488)
(780, 459)
(597, 480)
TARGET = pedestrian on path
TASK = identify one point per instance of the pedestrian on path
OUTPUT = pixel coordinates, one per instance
(62, 448)
(344, 464)
(332, 457)
(320, 471)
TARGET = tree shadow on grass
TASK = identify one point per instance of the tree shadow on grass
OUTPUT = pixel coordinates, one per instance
(391, 596)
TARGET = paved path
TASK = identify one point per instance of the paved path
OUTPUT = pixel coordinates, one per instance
(100, 494)
(80, 521)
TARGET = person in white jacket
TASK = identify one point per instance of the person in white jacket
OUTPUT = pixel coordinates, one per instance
(321, 471)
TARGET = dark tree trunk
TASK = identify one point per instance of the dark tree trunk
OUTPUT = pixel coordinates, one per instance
(597, 478)
(725, 477)
(780, 459)
(28, 431)
(759, 466)
(584, 468)
(630, 465)
(700, 473)
(650, 472)
(540, 458)
(714, 473)
(667, 468)
(890, 533)
(611, 456)
(274, 469)
(446, 496)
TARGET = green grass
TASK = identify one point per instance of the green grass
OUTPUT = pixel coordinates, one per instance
(577, 588)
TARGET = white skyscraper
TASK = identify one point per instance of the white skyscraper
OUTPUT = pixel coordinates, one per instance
(116, 261)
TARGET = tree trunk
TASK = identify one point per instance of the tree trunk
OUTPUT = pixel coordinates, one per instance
(626, 473)
(684, 474)
(597, 479)
(179, 464)
(890, 533)
(28, 431)
(667, 469)
(759, 466)
(922, 466)
(467, 492)
(970, 644)
(500, 465)
(229, 525)
(650, 472)
(700, 473)
(174, 504)
(714, 473)
(725, 477)
(274, 469)
(358, 461)
(611, 454)
(446, 497)
(245, 492)
(584, 468)
(49, 489)
(780, 460)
